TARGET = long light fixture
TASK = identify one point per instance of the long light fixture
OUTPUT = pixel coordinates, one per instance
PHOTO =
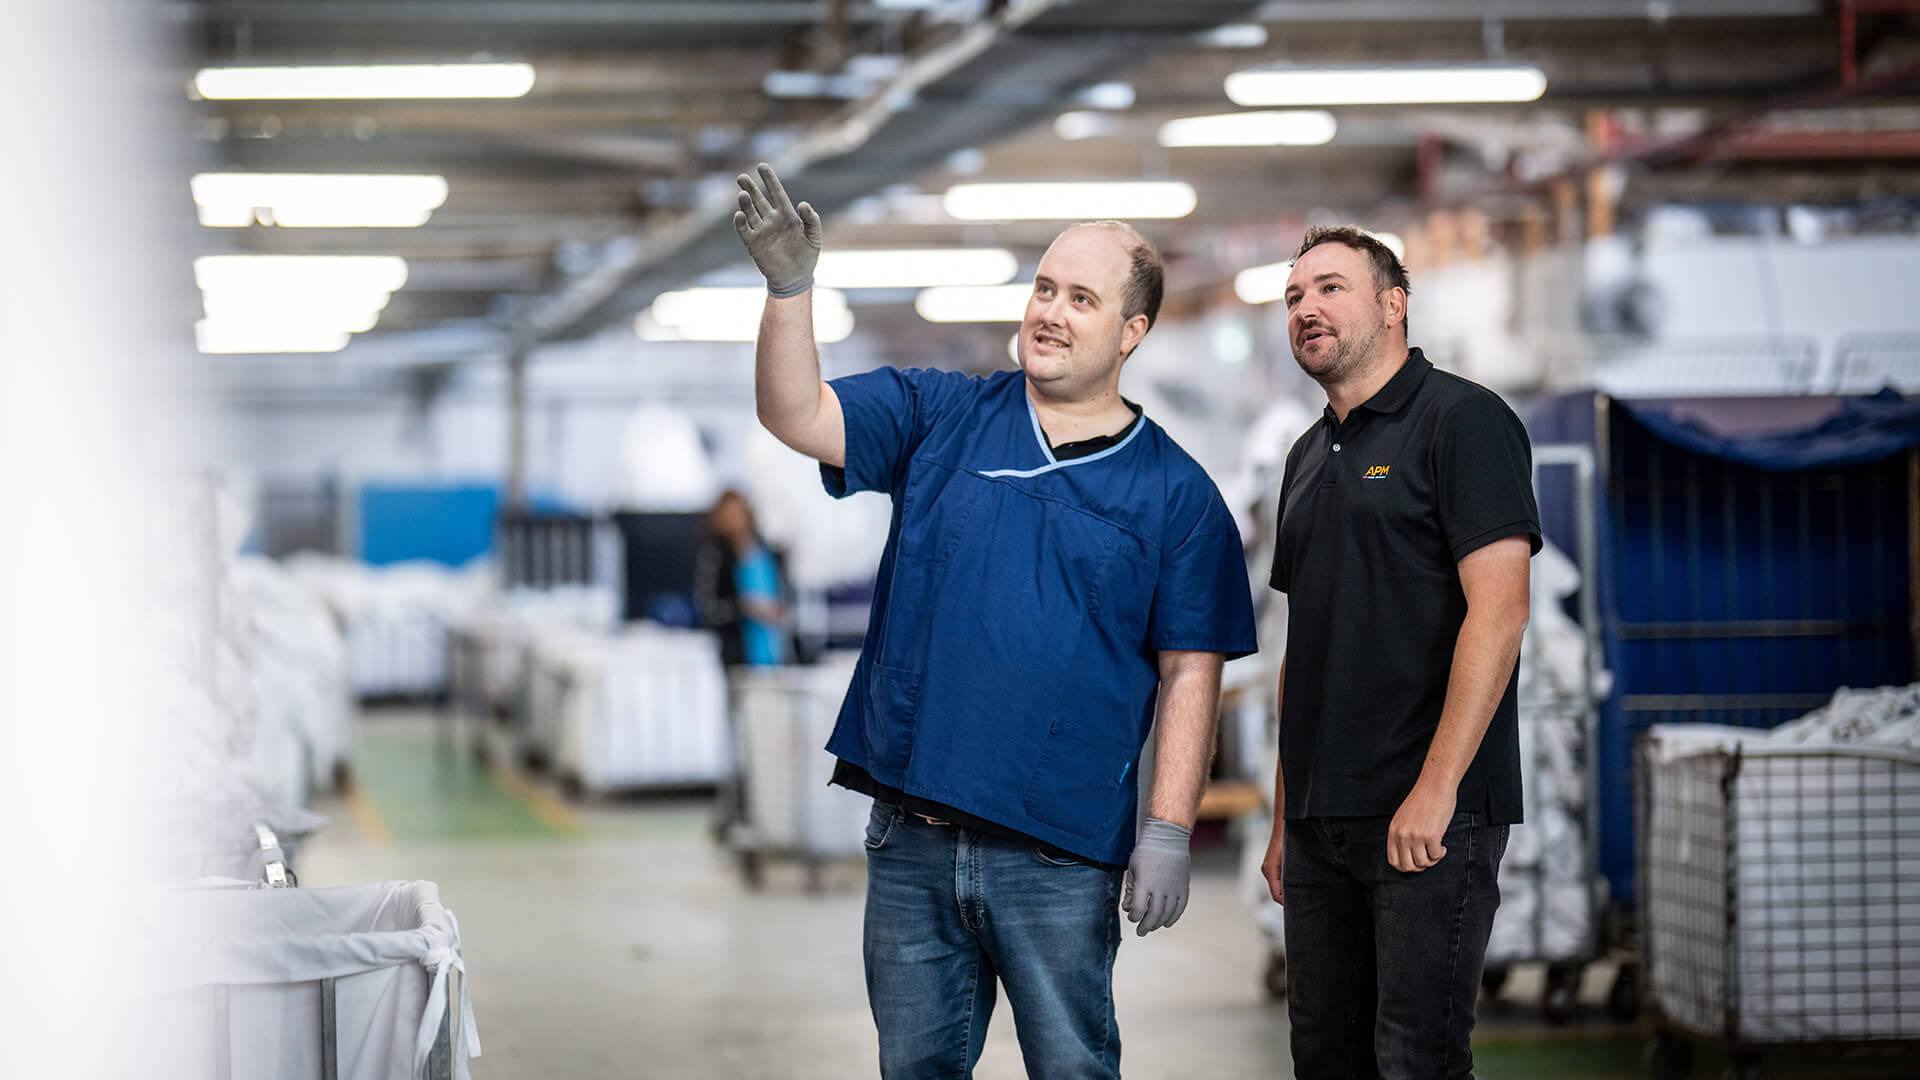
(1385, 85)
(902, 268)
(336, 81)
(730, 314)
(317, 200)
(973, 303)
(213, 336)
(1262, 284)
(1070, 200)
(291, 303)
(1293, 127)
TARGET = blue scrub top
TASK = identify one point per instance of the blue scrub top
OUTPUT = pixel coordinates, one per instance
(1010, 663)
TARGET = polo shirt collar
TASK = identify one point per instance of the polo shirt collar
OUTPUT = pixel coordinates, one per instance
(1398, 391)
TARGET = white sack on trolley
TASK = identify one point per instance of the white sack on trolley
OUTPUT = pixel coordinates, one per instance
(391, 947)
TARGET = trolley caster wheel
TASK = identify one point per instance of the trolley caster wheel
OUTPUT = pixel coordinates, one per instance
(1560, 997)
(1493, 980)
(1275, 979)
(753, 870)
(1623, 998)
(343, 776)
(1748, 1067)
(572, 788)
(1670, 1057)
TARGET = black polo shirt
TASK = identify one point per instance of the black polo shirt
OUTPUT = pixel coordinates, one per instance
(1375, 515)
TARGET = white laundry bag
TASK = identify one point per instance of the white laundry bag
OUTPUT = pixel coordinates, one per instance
(243, 967)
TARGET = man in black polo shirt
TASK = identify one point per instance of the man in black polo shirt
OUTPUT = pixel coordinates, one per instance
(1406, 522)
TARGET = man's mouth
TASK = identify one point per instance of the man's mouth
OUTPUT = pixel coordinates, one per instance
(1049, 340)
(1313, 334)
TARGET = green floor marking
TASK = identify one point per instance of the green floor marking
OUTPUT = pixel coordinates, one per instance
(431, 790)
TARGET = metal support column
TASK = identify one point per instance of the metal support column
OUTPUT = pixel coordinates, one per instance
(516, 493)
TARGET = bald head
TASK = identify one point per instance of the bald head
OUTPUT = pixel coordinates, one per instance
(1146, 279)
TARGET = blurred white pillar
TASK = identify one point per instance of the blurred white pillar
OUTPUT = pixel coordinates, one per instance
(86, 422)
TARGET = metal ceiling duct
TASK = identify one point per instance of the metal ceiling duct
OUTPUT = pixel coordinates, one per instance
(1000, 76)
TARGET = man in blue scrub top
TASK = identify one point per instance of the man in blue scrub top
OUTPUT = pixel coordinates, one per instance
(1059, 578)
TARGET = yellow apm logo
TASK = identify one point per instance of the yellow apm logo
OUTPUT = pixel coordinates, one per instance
(1377, 472)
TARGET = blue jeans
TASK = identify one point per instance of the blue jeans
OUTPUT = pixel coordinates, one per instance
(1383, 967)
(950, 914)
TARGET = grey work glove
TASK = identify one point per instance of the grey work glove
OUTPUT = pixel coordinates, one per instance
(783, 239)
(1157, 875)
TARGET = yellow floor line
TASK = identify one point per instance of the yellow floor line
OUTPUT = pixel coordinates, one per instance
(552, 813)
(367, 817)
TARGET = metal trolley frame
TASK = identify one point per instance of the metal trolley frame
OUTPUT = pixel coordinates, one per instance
(1824, 836)
(1564, 970)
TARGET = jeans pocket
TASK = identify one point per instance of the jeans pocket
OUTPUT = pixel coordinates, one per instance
(880, 825)
(1046, 858)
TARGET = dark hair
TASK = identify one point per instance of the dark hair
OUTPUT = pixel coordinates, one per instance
(1388, 272)
(1146, 278)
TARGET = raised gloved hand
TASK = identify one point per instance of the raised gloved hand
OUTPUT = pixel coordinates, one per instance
(783, 239)
(1157, 875)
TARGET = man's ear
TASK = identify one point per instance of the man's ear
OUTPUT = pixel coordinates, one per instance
(1131, 333)
(1395, 300)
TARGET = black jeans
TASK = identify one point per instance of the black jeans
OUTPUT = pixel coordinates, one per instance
(1383, 967)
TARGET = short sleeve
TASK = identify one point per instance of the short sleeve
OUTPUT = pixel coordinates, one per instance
(1202, 602)
(1277, 577)
(888, 411)
(1483, 477)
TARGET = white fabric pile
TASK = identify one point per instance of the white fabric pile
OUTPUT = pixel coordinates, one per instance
(643, 707)
(786, 715)
(396, 618)
(391, 948)
(1546, 896)
(253, 699)
(1818, 828)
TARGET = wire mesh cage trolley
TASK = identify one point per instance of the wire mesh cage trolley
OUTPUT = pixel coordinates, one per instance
(1779, 897)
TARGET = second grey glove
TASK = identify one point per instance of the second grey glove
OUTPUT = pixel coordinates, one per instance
(1157, 875)
(783, 239)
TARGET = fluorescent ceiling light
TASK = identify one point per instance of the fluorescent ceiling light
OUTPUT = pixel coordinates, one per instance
(1235, 36)
(1108, 95)
(973, 303)
(1262, 284)
(316, 200)
(730, 314)
(221, 337)
(295, 274)
(354, 314)
(291, 303)
(1070, 201)
(1385, 86)
(1298, 127)
(915, 268)
(398, 81)
(1083, 124)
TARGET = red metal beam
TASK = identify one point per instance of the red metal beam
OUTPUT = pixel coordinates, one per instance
(1818, 145)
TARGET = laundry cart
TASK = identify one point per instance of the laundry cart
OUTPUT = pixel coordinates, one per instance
(646, 708)
(1779, 896)
(363, 983)
(1550, 885)
(783, 717)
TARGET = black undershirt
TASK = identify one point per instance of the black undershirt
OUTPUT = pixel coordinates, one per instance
(855, 778)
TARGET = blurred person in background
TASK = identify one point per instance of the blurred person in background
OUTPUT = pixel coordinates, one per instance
(739, 587)
(1406, 522)
(1059, 578)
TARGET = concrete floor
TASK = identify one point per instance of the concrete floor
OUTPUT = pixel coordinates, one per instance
(614, 939)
